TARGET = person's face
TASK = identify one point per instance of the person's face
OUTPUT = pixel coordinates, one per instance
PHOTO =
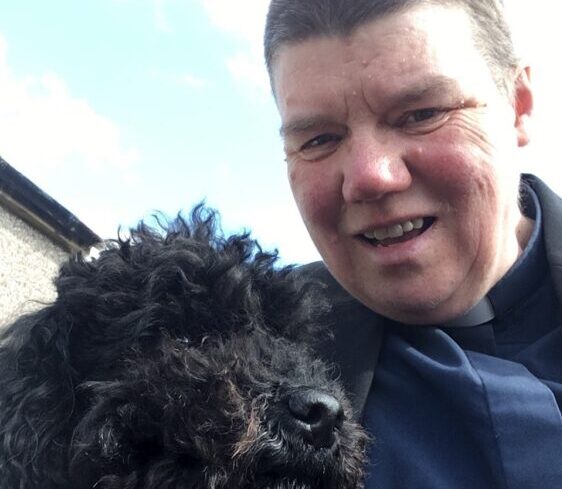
(399, 126)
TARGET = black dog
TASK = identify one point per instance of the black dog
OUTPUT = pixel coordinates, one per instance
(175, 360)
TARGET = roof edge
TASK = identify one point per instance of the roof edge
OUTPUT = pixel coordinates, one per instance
(42, 212)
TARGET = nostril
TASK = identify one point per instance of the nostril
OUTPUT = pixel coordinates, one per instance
(318, 415)
(314, 407)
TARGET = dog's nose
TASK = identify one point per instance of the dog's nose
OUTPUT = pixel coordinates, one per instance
(317, 415)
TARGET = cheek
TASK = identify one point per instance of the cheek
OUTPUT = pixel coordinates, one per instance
(461, 177)
(457, 164)
(317, 194)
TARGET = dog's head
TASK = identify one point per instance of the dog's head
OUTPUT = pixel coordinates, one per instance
(176, 359)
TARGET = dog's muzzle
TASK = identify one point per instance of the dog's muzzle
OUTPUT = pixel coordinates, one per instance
(316, 416)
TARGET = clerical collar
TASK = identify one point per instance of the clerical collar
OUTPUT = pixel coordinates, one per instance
(520, 280)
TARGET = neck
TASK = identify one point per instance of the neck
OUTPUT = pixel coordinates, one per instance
(523, 232)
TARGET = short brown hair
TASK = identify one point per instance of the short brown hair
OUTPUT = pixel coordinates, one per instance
(293, 21)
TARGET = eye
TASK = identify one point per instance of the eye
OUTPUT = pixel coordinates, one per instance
(321, 140)
(424, 114)
(320, 146)
(425, 120)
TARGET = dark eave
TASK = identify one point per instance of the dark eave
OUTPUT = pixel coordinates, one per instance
(38, 209)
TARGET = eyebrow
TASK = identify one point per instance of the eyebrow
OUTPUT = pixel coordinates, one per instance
(303, 124)
(431, 86)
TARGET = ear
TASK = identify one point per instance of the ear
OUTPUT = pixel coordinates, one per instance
(523, 105)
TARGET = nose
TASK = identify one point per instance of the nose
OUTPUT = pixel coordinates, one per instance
(316, 416)
(374, 168)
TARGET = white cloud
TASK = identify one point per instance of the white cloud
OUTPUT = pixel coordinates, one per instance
(160, 18)
(106, 216)
(275, 226)
(246, 67)
(244, 21)
(289, 234)
(44, 128)
(188, 80)
(192, 81)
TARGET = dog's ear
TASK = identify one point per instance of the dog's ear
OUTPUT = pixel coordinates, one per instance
(36, 400)
(293, 304)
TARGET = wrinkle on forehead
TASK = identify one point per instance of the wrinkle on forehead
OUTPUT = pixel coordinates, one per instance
(394, 61)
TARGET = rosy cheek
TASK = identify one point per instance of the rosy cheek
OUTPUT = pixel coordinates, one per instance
(316, 194)
(447, 166)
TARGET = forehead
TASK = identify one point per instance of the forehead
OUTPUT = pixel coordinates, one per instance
(396, 53)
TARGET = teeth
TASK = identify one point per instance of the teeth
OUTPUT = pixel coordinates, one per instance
(395, 231)
(408, 226)
(380, 234)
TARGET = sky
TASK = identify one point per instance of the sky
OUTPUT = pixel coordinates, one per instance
(120, 108)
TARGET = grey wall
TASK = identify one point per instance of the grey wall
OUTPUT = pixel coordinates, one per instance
(28, 262)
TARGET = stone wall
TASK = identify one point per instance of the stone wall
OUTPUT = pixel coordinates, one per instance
(28, 262)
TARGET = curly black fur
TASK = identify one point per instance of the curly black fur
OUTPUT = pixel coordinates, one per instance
(168, 363)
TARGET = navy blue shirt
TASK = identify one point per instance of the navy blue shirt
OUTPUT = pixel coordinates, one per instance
(471, 407)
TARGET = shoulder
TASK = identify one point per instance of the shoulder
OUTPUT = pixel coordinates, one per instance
(340, 300)
(350, 321)
(357, 335)
(317, 271)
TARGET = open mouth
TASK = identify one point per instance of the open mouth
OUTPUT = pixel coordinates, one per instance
(398, 233)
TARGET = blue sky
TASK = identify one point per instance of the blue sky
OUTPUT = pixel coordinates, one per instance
(117, 108)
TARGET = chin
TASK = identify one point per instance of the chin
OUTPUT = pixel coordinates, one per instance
(423, 311)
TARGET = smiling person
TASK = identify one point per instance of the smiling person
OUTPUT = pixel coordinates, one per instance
(403, 124)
